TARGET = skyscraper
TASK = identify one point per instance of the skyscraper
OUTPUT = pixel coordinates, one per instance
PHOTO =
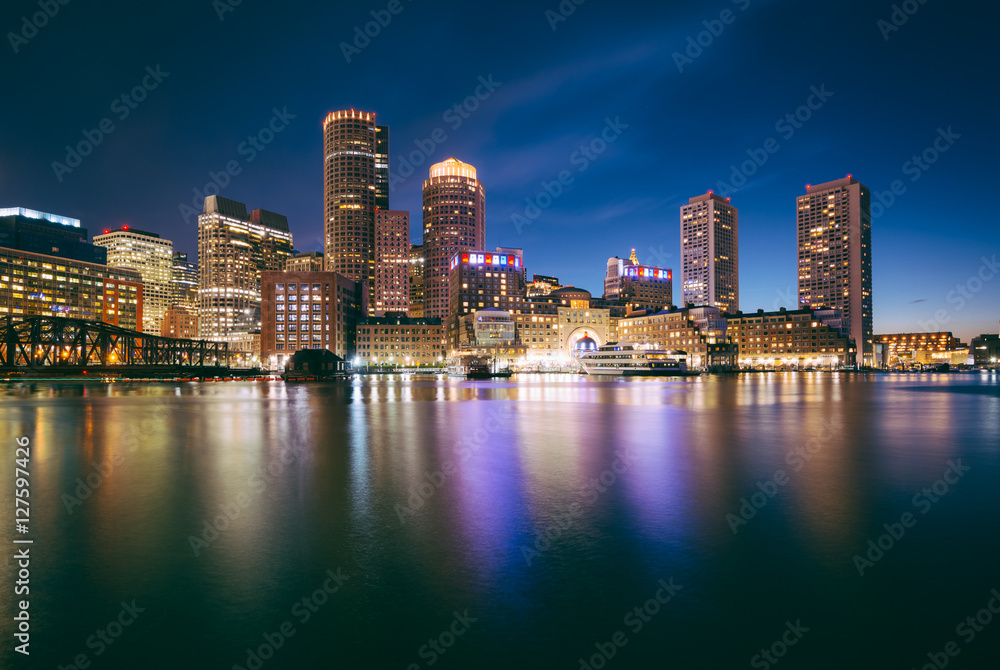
(350, 193)
(184, 280)
(454, 219)
(152, 258)
(835, 256)
(710, 256)
(416, 281)
(382, 167)
(233, 249)
(392, 263)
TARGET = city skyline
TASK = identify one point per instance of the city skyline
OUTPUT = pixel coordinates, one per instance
(522, 120)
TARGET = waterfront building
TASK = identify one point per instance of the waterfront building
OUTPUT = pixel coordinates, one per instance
(454, 219)
(308, 261)
(710, 259)
(152, 258)
(480, 279)
(541, 285)
(637, 286)
(180, 322)
(493, 327)
(184, 281)
(899, 347)
(49, 234)
(416, 309)
(350, 191)
(391, 291)
(309, 310)
(800, 338)
(700, 332)
(234, 248)
(985, 350)
(398, 340)
(41, 285)
(835, 256)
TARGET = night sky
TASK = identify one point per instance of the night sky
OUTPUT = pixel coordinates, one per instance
(679, 125)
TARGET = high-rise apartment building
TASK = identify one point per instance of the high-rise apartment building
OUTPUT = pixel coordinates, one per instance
(391, 292)
(454, 211)
(710, 257)
(350, 192)
(382, 167)
(835, 256)
(152, 258)
(234, 248)
(184, 280)
(416, 310)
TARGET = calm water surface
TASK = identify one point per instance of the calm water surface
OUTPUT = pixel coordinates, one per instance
(516, 524)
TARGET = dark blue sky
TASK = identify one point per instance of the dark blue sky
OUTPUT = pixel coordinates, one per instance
(686, 125)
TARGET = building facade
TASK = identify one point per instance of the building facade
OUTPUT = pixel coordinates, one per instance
(542, 285)
(698, 332)
(985, 350)
(899, 347)
(40, 285)
(234, 248)
(391, 293)
(309, 310)
(350, 191)
(416, 281)
(382, 167)
(638, 287)
(150, 256)
(184, 281)
(835, 256)
(710, 260)
(49, 234)
(480, 279)
(180, 322)
(308, 261)
(400, 341)
(454, 218)
(799, 339)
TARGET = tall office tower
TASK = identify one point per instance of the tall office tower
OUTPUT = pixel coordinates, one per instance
(184, 280)
(382, 167)
(710, 256)
(153, 259)
(416, 281)
(835, 256)
(392, 263)
(50, 234)
(233, 249)
(454, 219)
(349, 194)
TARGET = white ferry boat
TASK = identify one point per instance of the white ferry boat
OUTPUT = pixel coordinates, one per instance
(631, 360)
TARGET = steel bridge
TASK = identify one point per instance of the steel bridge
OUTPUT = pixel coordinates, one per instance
(63, 344)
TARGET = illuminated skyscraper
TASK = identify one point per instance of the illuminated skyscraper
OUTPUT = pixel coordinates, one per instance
(350, 192)
(234, 249)
(416, 281)
(152, 258)
(184, 280)
(454, 219)
(710, 256)
(835, 256)
(392, 263)
(382, 167)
